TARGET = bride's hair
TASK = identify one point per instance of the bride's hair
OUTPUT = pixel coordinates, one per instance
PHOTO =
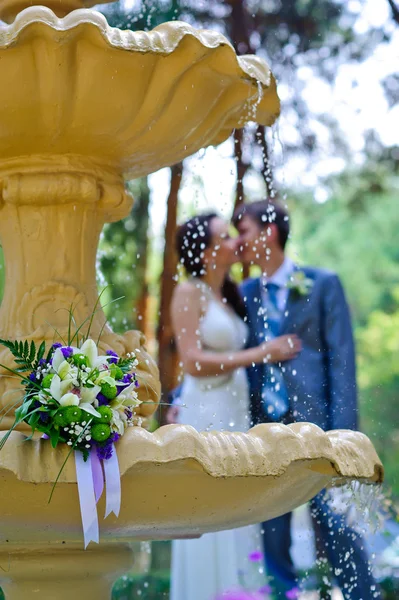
(192, 238)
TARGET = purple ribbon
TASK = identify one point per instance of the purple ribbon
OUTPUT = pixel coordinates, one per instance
(98, 475)
(113, 484)
(88, 508)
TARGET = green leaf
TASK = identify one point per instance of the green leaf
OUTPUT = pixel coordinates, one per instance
(26, 348)
(34, 419)
(54, 436)
(49, 354)
(23, 410)
(21, 361)
(42, 349)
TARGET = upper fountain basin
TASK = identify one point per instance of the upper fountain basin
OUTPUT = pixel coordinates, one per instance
(133, 101)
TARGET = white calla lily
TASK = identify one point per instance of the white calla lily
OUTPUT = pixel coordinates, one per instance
(102, 361)
(101, 376)
(64, 369)
(55, 387)
(117, 422)
(59, 388)
(89, 394)
(89, 349)
(127, 397)
(69, 400)
(89, 408)
(58, 359)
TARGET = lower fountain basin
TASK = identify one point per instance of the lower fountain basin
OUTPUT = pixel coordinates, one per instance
(177, 482)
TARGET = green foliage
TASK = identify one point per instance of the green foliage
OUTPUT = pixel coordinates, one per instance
(25, 354)
(122, 260)
(353, 233)
(378, 347)
(154, 586)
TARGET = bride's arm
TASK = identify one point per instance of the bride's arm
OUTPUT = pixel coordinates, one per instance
(198, 362)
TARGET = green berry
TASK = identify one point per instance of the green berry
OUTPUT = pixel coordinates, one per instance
(116, 372)
(47, 381)
(106, 415)
(108, 389)
(59, 419)
(100, 432)
(80, 360)
(67, 415)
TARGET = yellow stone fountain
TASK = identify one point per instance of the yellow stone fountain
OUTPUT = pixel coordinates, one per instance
(82, 107)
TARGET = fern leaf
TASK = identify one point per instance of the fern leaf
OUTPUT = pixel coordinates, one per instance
(32, 352)
(41, 351)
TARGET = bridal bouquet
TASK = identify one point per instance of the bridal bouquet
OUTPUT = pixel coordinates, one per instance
(74, 396)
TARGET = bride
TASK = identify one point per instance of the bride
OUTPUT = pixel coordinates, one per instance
(208, 320)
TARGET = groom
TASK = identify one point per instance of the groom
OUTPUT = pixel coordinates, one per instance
(318, 386)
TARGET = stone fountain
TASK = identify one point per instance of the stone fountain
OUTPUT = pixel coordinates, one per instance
(83, 107)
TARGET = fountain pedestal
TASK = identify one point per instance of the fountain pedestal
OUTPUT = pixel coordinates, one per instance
(48, 572)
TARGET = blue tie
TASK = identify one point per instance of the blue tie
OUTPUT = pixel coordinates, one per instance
(275, 399)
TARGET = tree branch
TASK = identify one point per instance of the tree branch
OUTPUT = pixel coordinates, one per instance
(395, 11)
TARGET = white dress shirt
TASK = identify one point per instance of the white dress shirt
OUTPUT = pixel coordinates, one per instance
(281, 278)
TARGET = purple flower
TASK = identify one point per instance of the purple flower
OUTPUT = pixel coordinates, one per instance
(113, 357)
(32, 377)
(67, 351)
(292, 594)
(102, 400)
(265, 590)
(256, 556)
(44, 417)
(128, 413)
(42, 362)
(136, 383)
(104, 451)
(57, 345)
(127, 378)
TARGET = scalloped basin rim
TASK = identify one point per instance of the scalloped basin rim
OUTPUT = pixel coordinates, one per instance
(267, 450)
(163, 39)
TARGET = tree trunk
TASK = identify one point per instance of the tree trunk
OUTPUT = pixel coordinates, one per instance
(241, 168)
(141, 218)
(167, 355)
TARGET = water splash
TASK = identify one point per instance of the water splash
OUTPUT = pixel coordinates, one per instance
(362, 504)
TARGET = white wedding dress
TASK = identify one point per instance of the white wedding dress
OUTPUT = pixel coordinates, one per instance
(204, 568)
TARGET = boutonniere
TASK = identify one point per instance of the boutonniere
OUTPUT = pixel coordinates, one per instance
(300, 284)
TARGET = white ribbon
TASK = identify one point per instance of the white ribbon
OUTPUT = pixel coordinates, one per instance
(113, 484)
(88, 508)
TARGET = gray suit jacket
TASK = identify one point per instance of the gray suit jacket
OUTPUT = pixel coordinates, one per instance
(321, 381)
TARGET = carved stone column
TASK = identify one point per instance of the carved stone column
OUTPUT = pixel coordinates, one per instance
(58, 573)
(51, 214)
